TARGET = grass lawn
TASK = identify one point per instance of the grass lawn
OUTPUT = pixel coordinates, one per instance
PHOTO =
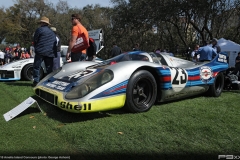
(195, 128)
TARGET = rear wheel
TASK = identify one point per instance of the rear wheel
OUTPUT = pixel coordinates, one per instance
(28, 72)
(216, 89)
(141, 92)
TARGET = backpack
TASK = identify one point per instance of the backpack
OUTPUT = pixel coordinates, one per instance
(91, 50)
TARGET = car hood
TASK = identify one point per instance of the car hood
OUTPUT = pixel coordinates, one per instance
(16, 64)
(70, 75)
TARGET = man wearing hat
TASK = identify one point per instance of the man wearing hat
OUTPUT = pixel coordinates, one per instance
(56, 60)
(215, 45)
(45, 47)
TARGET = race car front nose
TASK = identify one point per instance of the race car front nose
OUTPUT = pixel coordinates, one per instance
(91, 84)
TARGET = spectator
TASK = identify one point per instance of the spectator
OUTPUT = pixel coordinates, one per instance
(188, 53)
(77, 29)
(45, 45)
(206, 53)
(2, 54)
(25, 55)
(8, 56)
(158, 51)
(91, 51)
(237, 65)
(56, 60)
(115, 50)
(136, 47)
(215, 45)
(32, 50)
(195, 58)
(18, 52)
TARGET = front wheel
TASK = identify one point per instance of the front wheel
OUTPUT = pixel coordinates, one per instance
(28, 72)
(141, 92)
(216, 89)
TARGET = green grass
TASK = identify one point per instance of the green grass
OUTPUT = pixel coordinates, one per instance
(195, 128)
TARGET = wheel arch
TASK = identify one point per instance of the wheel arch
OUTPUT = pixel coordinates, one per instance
(155, 74)
(42, 72)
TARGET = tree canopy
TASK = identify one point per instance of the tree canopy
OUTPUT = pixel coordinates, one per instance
(180, 23)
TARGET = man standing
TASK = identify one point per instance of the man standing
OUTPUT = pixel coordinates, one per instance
(77, 29)
(237, 65)
(215, 45)
(32, 50)
(206, 53)
(2, 54)
(194, 58)
(18, 52)
(44, 44)
(56, 60)
(115, 50)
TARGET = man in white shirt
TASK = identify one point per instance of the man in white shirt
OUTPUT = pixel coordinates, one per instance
(195, 58)
(1, 57)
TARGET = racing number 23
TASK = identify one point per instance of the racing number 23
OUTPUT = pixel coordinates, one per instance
(180, 76)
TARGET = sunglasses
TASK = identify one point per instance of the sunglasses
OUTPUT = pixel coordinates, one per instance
(73, 18)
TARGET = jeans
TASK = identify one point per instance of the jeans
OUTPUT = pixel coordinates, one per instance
(78, 57)
(56, 61)
(37, 66)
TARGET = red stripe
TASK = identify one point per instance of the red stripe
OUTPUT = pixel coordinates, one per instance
(165, 79)
(194, 78)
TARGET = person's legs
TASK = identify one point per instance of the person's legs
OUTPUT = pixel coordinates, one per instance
(48, 64)
(75, 57)
(56, 61)
(237, 68)
(90, 58)
(83, 57)
(36, 68)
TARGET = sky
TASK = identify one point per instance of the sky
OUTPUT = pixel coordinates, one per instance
(72, 3)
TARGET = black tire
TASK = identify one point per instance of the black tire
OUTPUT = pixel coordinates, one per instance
(27, 72)
(216, 89)
(141, 92)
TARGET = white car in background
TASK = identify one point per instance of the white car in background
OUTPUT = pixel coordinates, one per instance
(22, 69)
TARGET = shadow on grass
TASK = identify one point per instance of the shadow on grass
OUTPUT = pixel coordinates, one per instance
(232, 91)
(18, 83)
(56, 113)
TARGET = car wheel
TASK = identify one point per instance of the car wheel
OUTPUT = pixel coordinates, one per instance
(28, 72)
(141, 92)
(216, 89)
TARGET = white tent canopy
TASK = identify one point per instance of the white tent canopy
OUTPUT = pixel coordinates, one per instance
(231, 48)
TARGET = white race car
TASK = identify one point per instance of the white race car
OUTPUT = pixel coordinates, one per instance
(22, 69)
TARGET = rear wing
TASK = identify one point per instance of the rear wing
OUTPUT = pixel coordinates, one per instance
(97, 35)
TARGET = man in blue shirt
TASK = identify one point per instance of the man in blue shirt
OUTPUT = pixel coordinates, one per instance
(45, 45)
(206, 53)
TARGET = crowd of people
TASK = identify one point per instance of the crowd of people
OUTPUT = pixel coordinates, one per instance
(10, 54)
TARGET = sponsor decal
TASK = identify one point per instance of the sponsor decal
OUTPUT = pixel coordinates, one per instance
(59, 85)
(67, 105)
(179, 78)
(206, 74)
(222, 58)
(77, 75)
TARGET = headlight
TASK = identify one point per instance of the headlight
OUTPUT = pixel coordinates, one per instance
(91, 84)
